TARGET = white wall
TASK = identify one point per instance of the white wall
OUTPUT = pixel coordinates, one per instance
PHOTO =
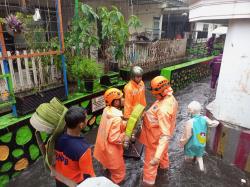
(219, 9)
(232, 103)
(146, 14)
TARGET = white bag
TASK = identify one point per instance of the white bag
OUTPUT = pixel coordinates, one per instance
(97, 182)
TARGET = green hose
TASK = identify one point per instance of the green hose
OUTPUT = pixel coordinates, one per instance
(132, 122)
(49, 117)
(48, 113)
(56, 104)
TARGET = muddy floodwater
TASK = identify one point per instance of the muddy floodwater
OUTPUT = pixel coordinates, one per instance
(179, 173)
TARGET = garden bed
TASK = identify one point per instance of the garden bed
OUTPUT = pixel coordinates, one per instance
(28, 102)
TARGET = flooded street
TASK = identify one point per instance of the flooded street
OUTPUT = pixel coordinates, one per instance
(179, 174)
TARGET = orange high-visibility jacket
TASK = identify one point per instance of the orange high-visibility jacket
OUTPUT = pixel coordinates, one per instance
(109, 141)
(159, 124)
(134, 94)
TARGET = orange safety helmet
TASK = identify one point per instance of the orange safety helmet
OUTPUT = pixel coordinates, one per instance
(158, 85)
(112, 94)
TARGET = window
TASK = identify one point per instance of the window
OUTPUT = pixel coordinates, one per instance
(205, 27)
(156, 27)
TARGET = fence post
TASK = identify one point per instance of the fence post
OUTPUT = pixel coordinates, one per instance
(34, 69)
(5, 62)
(20, 71)
(12, 72)
(61, 40)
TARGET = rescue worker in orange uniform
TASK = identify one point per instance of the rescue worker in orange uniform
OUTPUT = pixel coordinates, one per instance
(73, 153)
(158, 127)
(111, 133)
(134, 91)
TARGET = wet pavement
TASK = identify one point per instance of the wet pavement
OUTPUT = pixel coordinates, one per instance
(179, 173)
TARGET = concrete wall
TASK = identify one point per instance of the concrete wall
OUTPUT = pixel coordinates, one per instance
(146, 13)
(218, 9)
(232, 103)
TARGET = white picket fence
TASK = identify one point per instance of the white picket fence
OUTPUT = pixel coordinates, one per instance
(29, 73)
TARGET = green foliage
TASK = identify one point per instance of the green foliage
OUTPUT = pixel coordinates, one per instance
(2, 21)
(26, 19)
(83, 29)
(86, 68)
(134, 22)
(34, 33)
(53, 44)
(115, 31)
(89, 13)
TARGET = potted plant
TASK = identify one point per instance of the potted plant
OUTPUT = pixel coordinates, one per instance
(13, 24)
(82, 34)
(86, 70)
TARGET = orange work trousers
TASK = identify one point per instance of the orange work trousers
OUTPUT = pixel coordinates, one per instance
(149, 171)
(118, 175)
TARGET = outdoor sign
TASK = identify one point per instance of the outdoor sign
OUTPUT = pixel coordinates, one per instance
(98, 103)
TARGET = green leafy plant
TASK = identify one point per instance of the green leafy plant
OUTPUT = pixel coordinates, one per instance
(134, 22)
(86, 68)
(83, 29)
(34, 33)
(114, 32)
(2, 21)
